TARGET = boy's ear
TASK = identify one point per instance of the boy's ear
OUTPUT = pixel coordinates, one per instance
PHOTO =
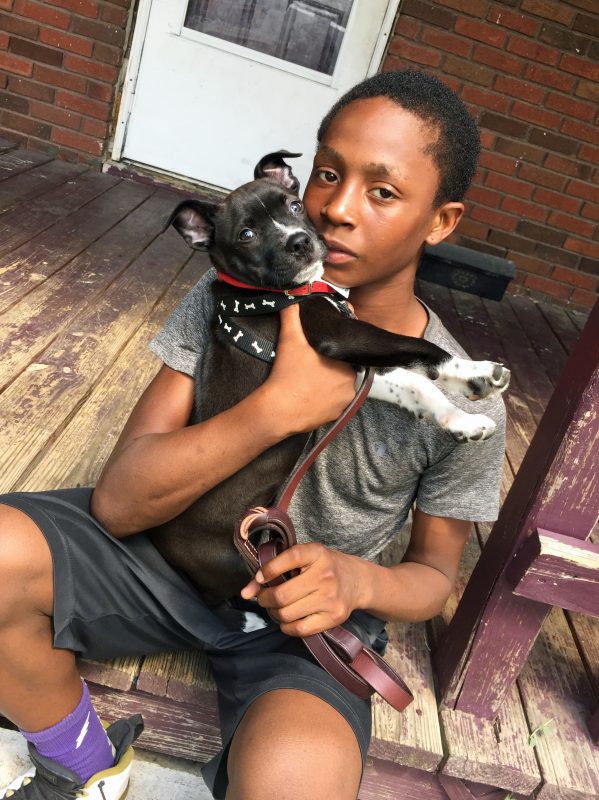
(445, 222)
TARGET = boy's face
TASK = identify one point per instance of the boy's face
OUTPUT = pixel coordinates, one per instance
(371, 193)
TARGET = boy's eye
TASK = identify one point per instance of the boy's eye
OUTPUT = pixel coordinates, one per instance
(384, 194)
(326, 175)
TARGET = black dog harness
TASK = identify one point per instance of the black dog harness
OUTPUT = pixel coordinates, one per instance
(271, 301)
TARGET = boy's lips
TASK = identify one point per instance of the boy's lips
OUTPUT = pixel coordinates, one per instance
(337, 253)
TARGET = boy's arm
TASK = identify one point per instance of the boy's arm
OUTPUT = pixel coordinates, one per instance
(161, 464)
(333, 584)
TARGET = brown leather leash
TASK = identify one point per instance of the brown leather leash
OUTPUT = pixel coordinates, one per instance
(344, 656)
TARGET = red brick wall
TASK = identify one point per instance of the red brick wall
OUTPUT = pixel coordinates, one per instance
(59, 64)
(529, 71)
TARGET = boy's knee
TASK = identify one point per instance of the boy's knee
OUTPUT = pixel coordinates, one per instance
(276, 765)
(25, 564)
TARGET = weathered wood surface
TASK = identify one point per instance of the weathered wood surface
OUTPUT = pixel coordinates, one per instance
(558, 570)
(594, 726)
(457, 789)
(184, 677)
(15, 161)
(37, 181)
(99, 419)
(177, 731)
(385, 781)
(48, 229)
(569, 760)
(118, 673)
(413, 737)
(494, 751)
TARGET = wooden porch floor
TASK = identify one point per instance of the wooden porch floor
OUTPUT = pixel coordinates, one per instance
(86, 278)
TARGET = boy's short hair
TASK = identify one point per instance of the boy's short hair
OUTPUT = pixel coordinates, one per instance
(456, 149)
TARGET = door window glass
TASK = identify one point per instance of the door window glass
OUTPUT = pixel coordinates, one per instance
(305, 32)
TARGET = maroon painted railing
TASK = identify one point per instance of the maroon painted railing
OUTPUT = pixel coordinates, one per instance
(485, 646)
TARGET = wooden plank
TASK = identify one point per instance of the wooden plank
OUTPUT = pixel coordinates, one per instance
(412, 737)
(118, 673)
(45, 397)
(455, 788)
(49, 236)
(183, 677)
(385, 781)
(557, 689)
(488, 792)
(579, 318)
(594, 727)
(493, 751)
(100, 418)
(557, 570)
(533, 384)
(561, 324)
(178, 729)
(37, 181)
(15, 161)
(28, 327)
(7, 144)
(554, 489)
(476, 327)
(439, 299)
(585, 630)
(539, 332)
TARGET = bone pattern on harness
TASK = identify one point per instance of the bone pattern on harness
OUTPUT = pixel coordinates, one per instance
(268, 303)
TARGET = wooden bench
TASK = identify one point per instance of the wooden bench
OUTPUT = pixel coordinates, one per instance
(85, 281)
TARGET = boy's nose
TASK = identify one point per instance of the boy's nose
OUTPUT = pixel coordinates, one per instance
(341, 207)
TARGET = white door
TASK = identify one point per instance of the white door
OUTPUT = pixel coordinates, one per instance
(220, 83)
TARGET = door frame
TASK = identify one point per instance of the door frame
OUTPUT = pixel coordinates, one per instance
(137, 47)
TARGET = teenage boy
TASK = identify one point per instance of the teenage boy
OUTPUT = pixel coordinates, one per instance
(395, 158)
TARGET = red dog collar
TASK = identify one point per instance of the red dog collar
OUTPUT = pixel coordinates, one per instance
(315, 287)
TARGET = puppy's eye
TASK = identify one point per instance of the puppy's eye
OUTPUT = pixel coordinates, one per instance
(296, 207)
(246, 234)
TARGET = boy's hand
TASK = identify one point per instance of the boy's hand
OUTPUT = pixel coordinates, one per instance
(323, 595)
(305, 390)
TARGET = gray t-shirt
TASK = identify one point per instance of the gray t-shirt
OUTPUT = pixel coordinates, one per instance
(358, 493)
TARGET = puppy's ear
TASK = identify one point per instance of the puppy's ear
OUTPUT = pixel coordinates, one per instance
(273, 166)
(194, 220)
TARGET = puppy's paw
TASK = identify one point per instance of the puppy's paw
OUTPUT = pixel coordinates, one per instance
(474, 379)
(496, 380)
(469, 427)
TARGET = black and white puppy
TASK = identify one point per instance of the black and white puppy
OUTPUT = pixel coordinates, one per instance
(259, 237)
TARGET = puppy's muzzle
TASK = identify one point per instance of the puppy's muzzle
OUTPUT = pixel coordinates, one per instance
(299, 244)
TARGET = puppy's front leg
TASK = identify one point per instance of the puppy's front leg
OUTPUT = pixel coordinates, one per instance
(422, 398)
(357, 342)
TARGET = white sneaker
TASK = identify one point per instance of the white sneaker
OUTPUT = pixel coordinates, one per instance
(51, 781)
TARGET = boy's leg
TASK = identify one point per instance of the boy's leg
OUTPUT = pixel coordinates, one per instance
(291, 744)
(40, 689)
(39, 685)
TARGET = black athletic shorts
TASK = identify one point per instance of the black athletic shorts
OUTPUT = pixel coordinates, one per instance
(119, 597)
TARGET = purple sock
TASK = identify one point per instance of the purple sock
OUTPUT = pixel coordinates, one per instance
(78, 742)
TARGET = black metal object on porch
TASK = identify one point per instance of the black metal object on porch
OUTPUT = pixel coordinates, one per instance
(466, 269)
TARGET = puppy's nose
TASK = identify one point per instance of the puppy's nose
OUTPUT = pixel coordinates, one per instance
(298, 243)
